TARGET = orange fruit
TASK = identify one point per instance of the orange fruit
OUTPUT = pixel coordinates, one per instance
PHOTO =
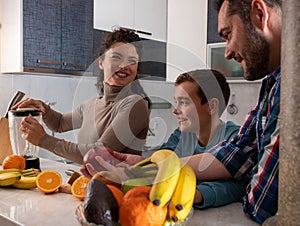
(48, 181)
(14, 162)
(118, 194)
(137, 209)
(79, 187)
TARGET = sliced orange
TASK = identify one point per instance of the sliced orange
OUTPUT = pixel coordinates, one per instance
(48, 181)
(79, 186)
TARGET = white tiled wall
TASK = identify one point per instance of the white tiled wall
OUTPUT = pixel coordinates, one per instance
(64, 93)
(244, 96)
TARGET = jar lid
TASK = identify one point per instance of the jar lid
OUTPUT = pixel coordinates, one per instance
(22, 112)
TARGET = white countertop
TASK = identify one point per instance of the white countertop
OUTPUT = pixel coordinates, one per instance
(34, 208)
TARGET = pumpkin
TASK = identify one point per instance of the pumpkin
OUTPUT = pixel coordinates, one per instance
(14, 162)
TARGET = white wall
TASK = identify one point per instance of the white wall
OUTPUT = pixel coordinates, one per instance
(244, 95)
(64, 93)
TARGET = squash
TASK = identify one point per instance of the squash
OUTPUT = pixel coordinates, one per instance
(14, 162)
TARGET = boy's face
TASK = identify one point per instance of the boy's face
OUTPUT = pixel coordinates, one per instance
(191, 114)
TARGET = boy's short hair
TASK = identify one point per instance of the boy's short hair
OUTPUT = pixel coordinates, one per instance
(211, 83)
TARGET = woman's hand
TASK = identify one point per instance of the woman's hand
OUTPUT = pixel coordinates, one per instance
(30, 103)
(127, 159)
(89, 171)
(32, 130)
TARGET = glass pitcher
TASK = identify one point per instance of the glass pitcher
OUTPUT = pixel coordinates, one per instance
(19, 145)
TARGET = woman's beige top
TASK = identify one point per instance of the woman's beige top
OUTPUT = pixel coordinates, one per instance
(118, 120)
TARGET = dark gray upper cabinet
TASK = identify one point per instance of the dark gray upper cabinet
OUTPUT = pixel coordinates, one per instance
(58, 35)
(212, 28)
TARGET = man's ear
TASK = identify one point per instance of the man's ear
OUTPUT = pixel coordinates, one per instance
(259, 14)
(213, 106)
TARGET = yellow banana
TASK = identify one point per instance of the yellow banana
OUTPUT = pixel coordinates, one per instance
(166, 178)
(9, 178)
(26, 182)
(26, 172)
(179, 216)
(183, 197)
(9, 170)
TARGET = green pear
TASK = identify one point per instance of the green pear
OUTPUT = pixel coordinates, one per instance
(135, 182)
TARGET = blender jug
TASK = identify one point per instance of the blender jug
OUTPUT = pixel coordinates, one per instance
(19, 145)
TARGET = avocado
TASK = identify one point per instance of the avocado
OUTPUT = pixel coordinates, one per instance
(100, 205)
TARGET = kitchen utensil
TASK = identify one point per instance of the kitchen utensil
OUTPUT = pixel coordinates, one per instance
(20, 146)
(5, 145)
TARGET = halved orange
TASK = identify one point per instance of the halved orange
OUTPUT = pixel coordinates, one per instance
(79, 186)
(48, 181)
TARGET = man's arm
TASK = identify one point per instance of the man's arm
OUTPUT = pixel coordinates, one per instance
(207, 167)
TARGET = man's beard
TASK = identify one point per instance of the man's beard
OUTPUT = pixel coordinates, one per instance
(256, 55)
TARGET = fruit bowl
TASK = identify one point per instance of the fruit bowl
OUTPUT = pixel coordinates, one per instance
(79, 212)
(181, 223)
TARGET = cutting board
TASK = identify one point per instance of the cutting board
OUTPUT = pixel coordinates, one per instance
(5, 146)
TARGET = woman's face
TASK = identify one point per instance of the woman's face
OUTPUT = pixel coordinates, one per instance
(119, 64)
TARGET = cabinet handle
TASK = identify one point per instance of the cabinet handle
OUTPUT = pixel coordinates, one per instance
(138, 31)
(48, 62)
(143, 32)
(74, 65)
(128, 29)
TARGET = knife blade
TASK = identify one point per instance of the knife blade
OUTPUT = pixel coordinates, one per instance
(16, 98)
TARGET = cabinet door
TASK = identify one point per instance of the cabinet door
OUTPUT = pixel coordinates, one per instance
(77, 34)
(42, 33)
(151, 16)
(111, 13)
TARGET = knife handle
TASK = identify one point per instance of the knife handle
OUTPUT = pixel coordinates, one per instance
(16, 98)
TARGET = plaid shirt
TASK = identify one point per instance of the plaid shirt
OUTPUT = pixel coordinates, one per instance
(256, 148)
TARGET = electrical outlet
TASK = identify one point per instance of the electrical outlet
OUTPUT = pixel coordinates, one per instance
(157, 132)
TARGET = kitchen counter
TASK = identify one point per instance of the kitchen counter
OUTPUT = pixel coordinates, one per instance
(34, 208)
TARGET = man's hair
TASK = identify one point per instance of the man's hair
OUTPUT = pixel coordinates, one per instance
(211, 83)
(242, 7)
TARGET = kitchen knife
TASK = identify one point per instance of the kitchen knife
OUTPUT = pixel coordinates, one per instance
(5, 146)
(16, 98)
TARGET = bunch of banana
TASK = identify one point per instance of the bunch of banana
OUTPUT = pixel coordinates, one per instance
(10, 171)
(26, 173)
(9, 178)
(25, 182)
(166, 177)
(174, 184)
(182, 200)
(25, 179)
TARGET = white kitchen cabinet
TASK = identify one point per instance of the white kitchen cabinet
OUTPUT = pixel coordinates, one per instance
(11, 33)
(187, 36)
(144, 16)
